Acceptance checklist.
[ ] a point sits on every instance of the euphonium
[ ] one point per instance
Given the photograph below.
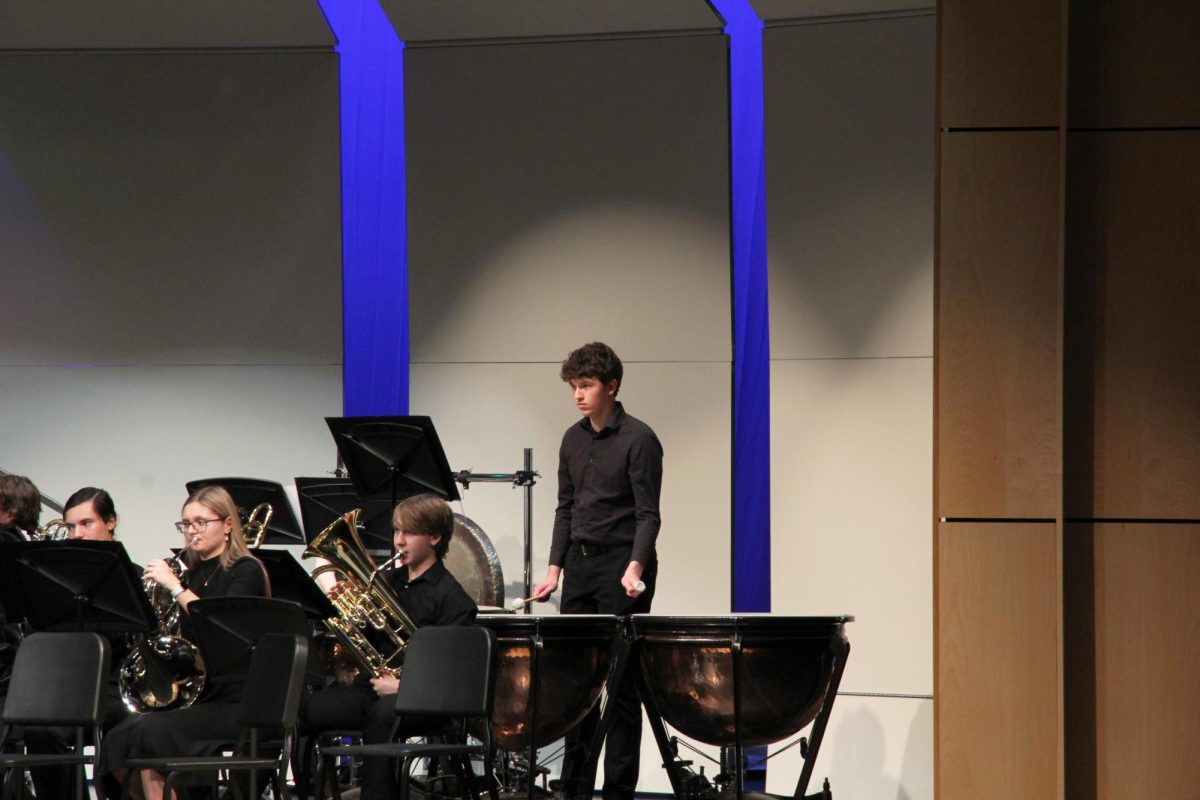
(362, 602)
(163, 671)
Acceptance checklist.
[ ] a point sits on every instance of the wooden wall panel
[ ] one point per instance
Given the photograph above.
(1000, 63)
(1132, 370)
(1141, 718)
(1135, 63)
(999, 323)
(998, 679)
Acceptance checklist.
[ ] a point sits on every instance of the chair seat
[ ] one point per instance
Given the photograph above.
(396, 749)
(35, 760)
(449, 674)
(190, 763)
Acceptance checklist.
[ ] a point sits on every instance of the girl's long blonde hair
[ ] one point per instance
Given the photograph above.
(216, 499)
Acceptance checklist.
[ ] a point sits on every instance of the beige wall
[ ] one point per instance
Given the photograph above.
(849, 134)
(172, 274)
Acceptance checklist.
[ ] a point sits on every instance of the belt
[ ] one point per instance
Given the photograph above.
(589, 550)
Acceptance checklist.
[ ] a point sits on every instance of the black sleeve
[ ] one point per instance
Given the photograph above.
(560, 540)
(458, 609)
(645, 476)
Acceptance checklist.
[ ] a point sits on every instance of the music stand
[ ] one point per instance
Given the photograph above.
(290, 581)
(323, 500)
(75, 585)
(393, 457)
(227, 628)
(250, 492)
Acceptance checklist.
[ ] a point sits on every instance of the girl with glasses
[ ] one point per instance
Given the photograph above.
(218, 565)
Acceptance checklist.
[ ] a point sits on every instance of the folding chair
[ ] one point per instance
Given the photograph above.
(270, 704)
(449, 672)
(58, 680)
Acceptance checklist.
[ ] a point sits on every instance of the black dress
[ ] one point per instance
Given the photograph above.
(210, 721)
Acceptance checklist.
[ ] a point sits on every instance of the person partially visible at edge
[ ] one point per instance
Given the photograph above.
(20, 508)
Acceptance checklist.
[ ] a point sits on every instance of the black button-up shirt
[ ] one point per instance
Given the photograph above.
(433, 598)
(609, 483)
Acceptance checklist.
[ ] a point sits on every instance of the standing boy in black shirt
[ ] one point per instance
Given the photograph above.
(605, 527)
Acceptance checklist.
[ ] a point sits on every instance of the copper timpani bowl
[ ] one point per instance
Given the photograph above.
(783, 671)
(573, 662)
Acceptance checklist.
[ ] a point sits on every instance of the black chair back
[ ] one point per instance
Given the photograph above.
(271, 698)
(58, 679)
(448, 672)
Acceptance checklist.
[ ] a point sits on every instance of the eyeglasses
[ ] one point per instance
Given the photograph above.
(184, 525)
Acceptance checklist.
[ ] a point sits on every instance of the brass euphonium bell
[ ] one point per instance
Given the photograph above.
(362, 602)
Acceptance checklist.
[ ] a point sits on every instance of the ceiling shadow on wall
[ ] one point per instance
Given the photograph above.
(570, 178)
(850, 155)
(172, 208)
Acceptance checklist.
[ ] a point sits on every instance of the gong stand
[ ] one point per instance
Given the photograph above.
(679, 775)
(525, 479)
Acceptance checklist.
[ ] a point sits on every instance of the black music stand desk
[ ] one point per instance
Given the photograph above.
(75, 585)
(290, 581)
(227, 628)
(324, 500)
(250, 492)
(393, 457)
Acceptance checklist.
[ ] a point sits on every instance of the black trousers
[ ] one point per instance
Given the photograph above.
(592, 585)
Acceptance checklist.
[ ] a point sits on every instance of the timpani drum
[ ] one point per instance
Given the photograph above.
(569, 655)
(750, 679)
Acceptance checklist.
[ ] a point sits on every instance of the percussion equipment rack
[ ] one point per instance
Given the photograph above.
(525, 479)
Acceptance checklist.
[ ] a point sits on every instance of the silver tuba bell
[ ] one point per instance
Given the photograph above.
(53, 531)
(163, 671)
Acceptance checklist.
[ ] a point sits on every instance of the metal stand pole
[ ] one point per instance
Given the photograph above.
(528, 526)
(525, 478)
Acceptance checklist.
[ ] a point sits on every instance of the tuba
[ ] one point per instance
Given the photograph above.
(254, 526)
(53, 531)
(363, 603)
(163, 671)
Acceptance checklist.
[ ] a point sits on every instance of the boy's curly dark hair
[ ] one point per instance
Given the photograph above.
(594, 360)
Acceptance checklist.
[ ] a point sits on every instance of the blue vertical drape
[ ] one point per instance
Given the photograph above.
(751, 578)
(374, 236)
